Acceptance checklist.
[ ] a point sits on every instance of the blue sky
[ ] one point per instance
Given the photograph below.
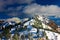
(48, 2)
(15, 8)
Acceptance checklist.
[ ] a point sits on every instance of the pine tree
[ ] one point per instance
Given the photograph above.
(15, 37)
(6, 33)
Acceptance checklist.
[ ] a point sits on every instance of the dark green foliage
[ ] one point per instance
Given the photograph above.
(15, 37)
(6, 33)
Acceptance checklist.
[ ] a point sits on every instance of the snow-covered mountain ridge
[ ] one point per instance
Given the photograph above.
(39, 27)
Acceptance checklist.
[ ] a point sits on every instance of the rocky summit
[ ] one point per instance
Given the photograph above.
(36, 28)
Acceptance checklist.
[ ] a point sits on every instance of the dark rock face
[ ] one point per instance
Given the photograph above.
(1, 21)
(52, 24)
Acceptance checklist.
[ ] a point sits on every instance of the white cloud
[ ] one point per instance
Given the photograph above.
(11, 2)
(14, 11)
(42, 10)
(13, 14)
(25, 1)
(2, 4)
(18, 1)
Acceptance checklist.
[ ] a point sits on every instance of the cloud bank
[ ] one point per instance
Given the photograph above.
(48, 10)
(4, 3)
(14, 11)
